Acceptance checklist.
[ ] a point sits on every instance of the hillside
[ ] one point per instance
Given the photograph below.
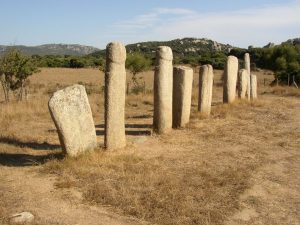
(180, 47)
(52, 49)
(185, 46)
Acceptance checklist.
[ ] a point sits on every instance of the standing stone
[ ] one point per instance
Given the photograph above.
(247, 67)
(206, 78)
(115, 88)
(242, 83)
(163, 89)
(230, 79)
(253, 86)
(72, 115)
(182, 95)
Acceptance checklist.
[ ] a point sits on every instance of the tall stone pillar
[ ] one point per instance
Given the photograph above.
(242, 83)
(206, 77)
(182, 95)
(230, 79)
(247, 67)
(115, 86)
(253, 87)
(163, 90)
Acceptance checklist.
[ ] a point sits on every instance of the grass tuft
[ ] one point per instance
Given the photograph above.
(286, 91)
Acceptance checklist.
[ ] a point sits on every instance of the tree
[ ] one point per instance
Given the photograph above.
(137, 63)
(280, 64)
(15, 68)
(76, 63)
(102, 64)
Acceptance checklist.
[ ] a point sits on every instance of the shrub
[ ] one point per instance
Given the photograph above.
(15, 68)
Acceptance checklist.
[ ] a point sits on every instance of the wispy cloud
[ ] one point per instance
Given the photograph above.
(152, 18)
(174, 11)
(244, 27)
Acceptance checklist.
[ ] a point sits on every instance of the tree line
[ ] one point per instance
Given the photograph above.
(283, 59)
(15, 67)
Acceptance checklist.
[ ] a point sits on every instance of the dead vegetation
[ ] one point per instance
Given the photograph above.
(286, 91)
(195, 175)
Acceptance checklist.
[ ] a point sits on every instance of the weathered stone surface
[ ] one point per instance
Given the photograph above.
(22, 218)
(206, 79)
(230, 79)
(72, 115)
(115, 89)
(242, 83)
(182, 95)
(247, 67)
(163, 90)
(253, 86)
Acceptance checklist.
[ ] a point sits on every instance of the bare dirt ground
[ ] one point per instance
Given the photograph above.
(240, 166)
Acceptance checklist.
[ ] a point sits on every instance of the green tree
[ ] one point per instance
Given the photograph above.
(15, 68)
(102, 64)
(137, 63)
(293, 66)
(280, 64)
(76, 63)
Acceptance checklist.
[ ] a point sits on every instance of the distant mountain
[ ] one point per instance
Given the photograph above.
(183, 46)
(52, 49)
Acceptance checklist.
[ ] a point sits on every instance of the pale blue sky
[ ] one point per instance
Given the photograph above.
(91, 22)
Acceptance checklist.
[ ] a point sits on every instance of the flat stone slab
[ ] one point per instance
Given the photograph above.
(22, 218)
(72, 115)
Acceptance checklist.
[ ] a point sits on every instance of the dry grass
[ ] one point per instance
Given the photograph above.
(65, 76)
(194, 175)
(286, 91)
(3, 207)
(154, 190)
(187, 180)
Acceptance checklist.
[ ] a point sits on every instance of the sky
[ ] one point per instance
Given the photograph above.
(97, 22)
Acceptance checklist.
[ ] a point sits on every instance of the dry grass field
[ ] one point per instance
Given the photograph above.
(240, 166)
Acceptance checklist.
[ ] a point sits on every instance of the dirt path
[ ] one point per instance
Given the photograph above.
(35, 192)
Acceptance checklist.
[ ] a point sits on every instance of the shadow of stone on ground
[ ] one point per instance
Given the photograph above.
(101, 132)
(33, 145)
(129, 126)
(138, 132)
(23, 160)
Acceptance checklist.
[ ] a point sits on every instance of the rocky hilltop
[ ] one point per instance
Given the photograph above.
(184, 46)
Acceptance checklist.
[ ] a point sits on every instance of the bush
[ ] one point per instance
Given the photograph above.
(138, 89)
(15, 68)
